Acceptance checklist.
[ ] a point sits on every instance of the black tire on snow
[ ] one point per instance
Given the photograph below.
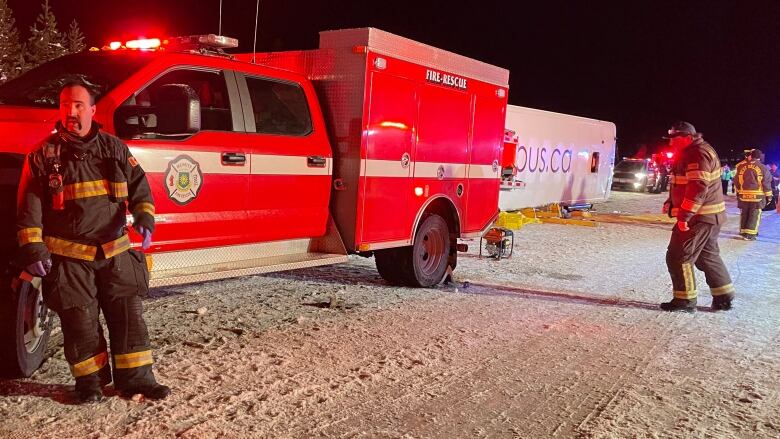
(26, 327)
(422, 264)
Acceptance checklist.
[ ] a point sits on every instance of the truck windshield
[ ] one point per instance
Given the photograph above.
(40, 86)
(630, 166)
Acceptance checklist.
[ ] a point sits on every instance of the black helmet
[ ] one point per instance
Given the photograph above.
(681, 128)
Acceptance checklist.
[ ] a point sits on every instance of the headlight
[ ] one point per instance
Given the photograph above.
(640, 175)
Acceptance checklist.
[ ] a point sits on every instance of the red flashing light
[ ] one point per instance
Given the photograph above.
(114, 45)
(144, 44)
(669, 155)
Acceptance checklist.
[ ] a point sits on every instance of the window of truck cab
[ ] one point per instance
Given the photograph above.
(210, 86)
(40, 87)
(278, 107)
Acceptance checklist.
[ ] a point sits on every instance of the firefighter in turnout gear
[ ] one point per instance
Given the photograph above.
(74, 195)
(754, 191)
(696, 200)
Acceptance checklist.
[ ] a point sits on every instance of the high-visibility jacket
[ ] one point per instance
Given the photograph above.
(101, 181)
(753, 183)
(696, 194)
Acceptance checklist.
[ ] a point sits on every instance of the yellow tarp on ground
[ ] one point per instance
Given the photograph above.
(647, 218)
(552, 214)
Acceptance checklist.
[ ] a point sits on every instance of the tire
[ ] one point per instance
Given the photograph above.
(422, 264)
(387, 265)
(26, 327)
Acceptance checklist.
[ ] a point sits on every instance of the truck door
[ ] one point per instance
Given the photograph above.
(389, 158)
(291, 161)
(483, 181)
(199, 181)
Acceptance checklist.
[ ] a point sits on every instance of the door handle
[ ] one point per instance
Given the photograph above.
(315, 161)
(233, 158)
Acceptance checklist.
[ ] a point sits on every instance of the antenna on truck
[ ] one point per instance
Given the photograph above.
(220, 18)
(254, 44)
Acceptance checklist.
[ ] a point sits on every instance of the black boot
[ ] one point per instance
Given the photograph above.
(89, 393)
(149, 391)
(722, 303)
(680, 305)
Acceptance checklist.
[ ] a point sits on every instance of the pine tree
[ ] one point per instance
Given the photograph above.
(10, 49)
(45, 42)
(75, 38)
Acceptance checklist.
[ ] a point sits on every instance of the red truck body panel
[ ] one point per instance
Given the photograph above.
(409, 124)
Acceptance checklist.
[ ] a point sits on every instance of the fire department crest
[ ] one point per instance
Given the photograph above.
(183, 179)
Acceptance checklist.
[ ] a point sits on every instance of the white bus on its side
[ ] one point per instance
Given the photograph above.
(560, 158)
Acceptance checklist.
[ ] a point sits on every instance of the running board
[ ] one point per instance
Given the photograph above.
(201, 273)
(199, 265)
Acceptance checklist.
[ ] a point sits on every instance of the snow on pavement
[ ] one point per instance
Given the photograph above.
(562, 340)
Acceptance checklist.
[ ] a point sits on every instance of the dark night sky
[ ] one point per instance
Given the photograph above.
(640, 64)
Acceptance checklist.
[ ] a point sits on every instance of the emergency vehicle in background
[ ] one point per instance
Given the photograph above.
(555, 158)
(644, 174)
(371, 144)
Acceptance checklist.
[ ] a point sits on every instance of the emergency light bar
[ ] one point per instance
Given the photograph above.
(192, 42)
(211, 41)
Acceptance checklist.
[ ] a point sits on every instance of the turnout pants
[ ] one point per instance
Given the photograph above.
(749, 220)
(697, 247)
(77, 291)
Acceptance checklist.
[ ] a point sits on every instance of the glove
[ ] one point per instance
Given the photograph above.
(39, 268)
(147, 236)
(683, 226)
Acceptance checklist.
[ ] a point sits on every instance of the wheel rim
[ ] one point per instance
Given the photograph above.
(431, 251)
(35, 321)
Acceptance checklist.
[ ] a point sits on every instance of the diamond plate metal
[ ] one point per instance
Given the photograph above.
(396, 46)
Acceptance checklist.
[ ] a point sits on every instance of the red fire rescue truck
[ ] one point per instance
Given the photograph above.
(371, 144)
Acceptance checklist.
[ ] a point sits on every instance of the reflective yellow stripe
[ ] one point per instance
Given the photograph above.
(690, 283)
(690, 205)
(136, 359)
(28, 235)
(703, 175)
(86, 189)
(119, 190)
(675, 211)
(712, 208)
(90, 365)
(768, 194)
(725, 289)
(750, 192)
(70, 249)
(685, 294)
(679, 180)
(692, 166)
(144, 207)
(95, 188)
(115, 247)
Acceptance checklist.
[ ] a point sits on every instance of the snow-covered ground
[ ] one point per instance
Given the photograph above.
(562, 340)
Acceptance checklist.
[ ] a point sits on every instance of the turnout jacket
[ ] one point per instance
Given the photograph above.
(101, 181)
(753, 183)
(697, 194)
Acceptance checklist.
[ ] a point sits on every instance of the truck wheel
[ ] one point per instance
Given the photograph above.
(388, 264)
(423, 264)
(26, 328)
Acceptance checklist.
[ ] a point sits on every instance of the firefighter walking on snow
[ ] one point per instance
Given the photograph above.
(696, 200)
(754, 191)
(74, 194)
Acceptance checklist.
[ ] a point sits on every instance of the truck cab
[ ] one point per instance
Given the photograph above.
(372, 144)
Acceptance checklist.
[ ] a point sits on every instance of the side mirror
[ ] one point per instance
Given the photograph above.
(174, 110)
(178, 109)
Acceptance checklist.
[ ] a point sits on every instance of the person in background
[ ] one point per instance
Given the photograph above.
(775, 183)
(725, 177)
(754, 191)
